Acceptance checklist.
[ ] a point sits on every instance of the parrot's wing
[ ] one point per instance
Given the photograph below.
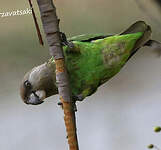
(88, 37)
(139, 26)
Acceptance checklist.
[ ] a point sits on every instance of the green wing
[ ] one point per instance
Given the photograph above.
(139, 26)
(88, 37)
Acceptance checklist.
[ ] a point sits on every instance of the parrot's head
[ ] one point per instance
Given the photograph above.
(38, 84)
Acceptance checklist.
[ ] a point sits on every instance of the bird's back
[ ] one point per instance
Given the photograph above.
(95, 62)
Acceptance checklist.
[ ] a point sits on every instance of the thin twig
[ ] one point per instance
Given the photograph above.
(36, 24)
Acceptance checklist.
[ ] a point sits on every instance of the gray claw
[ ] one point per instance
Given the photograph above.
(77, 97)
(65, 41)
(70, 45)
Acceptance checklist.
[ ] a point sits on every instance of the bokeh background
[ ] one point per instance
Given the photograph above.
(120, 115)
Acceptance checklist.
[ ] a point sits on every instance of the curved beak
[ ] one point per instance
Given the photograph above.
(36, 98)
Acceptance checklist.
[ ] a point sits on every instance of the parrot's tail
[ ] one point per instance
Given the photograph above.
(139, 26)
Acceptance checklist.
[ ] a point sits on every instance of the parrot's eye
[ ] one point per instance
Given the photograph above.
(27, 84)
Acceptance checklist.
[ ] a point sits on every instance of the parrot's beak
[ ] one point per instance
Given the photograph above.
(36, 98)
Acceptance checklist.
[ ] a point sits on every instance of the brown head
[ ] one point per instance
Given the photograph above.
(38, 84)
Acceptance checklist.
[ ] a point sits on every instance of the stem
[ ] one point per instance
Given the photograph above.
(51, 27)
(36, 24)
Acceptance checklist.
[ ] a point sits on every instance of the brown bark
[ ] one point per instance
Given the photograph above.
(51, 27)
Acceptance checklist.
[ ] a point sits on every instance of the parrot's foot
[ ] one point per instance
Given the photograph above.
(78, 97)
(65, 41)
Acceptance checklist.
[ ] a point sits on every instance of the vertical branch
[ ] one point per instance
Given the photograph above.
(51, 27)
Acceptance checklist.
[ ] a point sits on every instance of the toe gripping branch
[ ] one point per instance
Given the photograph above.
(64, 40)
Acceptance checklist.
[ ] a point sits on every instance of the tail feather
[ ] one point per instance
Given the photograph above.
(139, 26)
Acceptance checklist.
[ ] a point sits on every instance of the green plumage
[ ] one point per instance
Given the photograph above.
(92, 61)
(95, 59)
(90, 64)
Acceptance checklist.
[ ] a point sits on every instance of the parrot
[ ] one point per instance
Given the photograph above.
(91, 61)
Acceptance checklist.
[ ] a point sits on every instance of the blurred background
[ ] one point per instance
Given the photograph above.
(120, 115)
